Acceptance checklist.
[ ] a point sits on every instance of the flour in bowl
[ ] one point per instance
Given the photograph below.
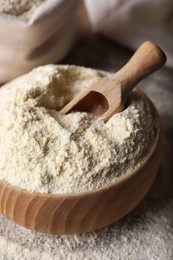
(43, 151)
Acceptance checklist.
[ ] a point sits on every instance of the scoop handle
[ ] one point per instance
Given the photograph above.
(147, 59)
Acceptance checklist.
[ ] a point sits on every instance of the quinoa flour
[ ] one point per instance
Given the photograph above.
(22, 8)
(43, 151)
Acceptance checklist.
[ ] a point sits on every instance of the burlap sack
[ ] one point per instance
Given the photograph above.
(45, 38)
(131, 22)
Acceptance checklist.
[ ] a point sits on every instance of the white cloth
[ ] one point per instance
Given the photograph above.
(45, 38)
(130, 22)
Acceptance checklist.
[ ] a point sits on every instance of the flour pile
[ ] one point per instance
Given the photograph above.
(22, 8)
(43, 151)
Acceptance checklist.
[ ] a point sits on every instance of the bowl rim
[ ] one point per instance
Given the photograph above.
(107, 186)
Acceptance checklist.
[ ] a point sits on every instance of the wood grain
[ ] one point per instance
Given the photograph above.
(81, 212)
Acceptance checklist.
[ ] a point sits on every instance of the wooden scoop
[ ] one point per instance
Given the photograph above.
(108, 95)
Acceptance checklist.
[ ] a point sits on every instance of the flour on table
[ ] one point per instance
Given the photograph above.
(43, 151)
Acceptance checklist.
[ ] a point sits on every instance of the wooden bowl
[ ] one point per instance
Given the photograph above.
(81, 212)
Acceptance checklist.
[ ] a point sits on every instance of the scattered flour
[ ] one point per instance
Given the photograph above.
(22, 8)
(43, 151)
(146, 233)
